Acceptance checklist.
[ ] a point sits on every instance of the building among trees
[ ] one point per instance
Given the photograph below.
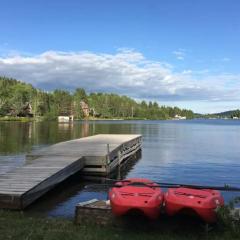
(85, 108)
(65, 119)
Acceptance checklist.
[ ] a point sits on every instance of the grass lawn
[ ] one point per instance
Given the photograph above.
(15, 225)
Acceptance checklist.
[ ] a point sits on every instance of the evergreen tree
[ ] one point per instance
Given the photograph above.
(14, 95)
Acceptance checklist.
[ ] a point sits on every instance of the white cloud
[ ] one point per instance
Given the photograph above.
(226, 59)
(188, 71)
(180, 54)
(221, 60)
(125, 72)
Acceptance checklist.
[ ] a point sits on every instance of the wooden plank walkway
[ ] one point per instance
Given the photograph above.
(47, 167)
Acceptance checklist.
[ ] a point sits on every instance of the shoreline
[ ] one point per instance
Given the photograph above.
(43, 119)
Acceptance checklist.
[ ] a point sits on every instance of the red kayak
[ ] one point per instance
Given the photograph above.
(203, 202)
(136, 194)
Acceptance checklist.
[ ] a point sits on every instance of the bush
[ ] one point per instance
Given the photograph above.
(229, 217)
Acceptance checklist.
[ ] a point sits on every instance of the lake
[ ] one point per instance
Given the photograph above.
(185, 151)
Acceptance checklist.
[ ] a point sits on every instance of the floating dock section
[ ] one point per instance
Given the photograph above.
(96, 155)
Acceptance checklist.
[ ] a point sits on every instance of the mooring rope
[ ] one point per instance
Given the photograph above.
(170, 185)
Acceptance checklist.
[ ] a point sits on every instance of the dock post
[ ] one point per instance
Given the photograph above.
(119, 165)
(119, 158)
(108, 148)
(108, 151)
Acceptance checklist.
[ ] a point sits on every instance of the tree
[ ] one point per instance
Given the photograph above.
(14, 95)
(61, 103)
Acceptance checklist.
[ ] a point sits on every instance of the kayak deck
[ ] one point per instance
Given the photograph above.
(136, 194)
(203, 202)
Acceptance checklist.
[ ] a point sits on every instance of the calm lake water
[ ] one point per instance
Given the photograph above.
(193, 152)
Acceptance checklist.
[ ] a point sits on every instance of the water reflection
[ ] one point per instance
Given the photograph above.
(62, 200)
(194, 152)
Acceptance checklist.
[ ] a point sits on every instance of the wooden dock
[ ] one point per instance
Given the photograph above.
(47, 167)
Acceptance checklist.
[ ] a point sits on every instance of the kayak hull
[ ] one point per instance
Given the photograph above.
(149, 212)
(127, 197)
(203, 202)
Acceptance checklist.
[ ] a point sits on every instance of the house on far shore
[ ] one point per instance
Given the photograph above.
(179, 117)
(85, 108)
(235, 118)
(65, 119)
(25, 111)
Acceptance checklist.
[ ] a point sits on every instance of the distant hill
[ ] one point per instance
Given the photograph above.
(226, 114)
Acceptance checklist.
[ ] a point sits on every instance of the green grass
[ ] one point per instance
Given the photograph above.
(15, 225)
(20, 119)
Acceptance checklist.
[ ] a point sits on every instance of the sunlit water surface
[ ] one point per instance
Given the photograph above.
(205, 152)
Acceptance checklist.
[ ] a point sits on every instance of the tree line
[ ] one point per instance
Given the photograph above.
(17, 97)
(227, 114)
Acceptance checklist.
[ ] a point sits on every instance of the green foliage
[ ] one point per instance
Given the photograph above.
(236, 114)
(229, 217)
(15, 225)
(112, 105)
(227, 114)
(18, 119)
(81, 95)
(14, 95)
(78, 96)
(61, 102)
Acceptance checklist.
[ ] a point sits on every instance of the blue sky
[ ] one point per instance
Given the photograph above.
(183, 53)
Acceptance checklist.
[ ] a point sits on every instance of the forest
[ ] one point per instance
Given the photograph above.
(19, 99)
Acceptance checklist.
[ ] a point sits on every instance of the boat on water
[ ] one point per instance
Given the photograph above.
(136, 194)
(203, 202)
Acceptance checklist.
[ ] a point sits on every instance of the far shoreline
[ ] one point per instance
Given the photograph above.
(42, 119)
